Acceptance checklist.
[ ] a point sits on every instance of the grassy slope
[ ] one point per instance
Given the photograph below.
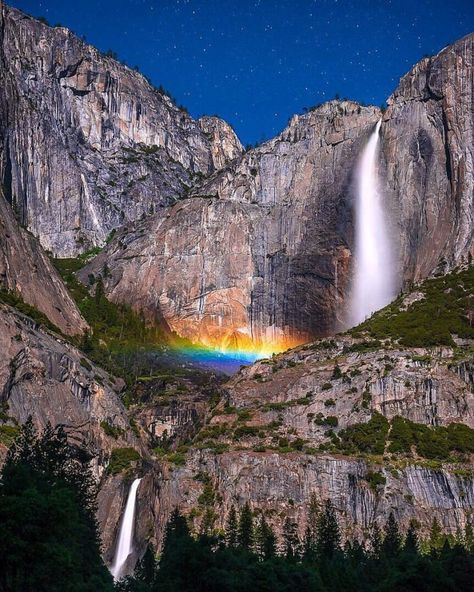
(447, 309)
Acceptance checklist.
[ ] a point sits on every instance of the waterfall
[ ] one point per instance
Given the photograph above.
(124, 546)
(373, 284)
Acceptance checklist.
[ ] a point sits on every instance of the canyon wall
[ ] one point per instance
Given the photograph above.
(27, 271)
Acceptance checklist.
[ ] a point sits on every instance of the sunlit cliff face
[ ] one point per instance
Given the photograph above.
(224, 326)
(238, 341)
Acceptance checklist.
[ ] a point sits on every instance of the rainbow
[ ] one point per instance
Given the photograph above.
(222, 355)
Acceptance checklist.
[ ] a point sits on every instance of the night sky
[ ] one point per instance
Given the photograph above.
(255, 63)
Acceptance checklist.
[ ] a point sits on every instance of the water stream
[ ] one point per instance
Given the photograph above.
(373, 285)
(125, 541)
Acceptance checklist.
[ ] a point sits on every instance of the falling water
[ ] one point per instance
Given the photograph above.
(124, 547)
(374, 280)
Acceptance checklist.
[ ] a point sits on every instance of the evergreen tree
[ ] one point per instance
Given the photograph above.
(310, 537)
(375, 541)
(245, 530)
(49, 539)
(411, 539)
(436, 538)
(469, 536)
(177, 554)
(265, 540)
(291, 540)
(392, 539)
(207, 522)
(328, 534)
(144, 576)
(231, 531)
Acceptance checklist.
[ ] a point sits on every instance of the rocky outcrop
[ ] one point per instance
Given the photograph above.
(44, 376)
(26, 270)
(86, 143)
(225, 146)
(281, 485)
(259, 256)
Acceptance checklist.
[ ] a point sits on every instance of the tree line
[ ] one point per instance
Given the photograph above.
(50, 541)
(248, 556)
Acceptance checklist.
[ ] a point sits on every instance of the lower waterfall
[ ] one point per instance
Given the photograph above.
(124, 546)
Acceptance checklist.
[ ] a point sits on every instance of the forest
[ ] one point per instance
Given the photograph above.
(50, 541)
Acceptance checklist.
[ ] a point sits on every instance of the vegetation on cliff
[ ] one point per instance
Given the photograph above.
(117, 331)
(444, 308)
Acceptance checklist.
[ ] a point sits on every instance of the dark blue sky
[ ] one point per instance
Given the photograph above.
(255, 63)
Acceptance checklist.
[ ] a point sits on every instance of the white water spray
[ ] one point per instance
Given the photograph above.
(124, 547)
(373, 285)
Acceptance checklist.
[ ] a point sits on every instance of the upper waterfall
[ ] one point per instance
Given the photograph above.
(124, 546)
(373, 284)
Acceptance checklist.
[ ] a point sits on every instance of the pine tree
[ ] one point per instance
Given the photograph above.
(291, 540)
(411, 539)
(328, 534)
(375, 541)
(146, 567)
(265, 540)
(231, 530)
(436, 538)
(310, 537)
(469, 536)
(245, 530)
(392, 539)
(49, 538)
(207, 522)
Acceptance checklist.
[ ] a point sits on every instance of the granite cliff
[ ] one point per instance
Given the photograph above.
(259, 255)
(26, 271)
(86, 143)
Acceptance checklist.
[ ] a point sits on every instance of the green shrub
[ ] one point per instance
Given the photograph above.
(430, 442)
(208, 495)
(176, 458)
(121, 459)
(366, 399)
(375, 479)
(326, 386)
(432, 320)
(110, 430)
(16, 301)
(329, 403)
(8, 434)
(330, 420)
(244, 430)
(367, 437)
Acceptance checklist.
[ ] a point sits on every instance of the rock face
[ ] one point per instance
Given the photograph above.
(428, 149)
(257, 252)
(239, 455)
(281, 485)
(43, 376)
(26, 270)
(259, 255)
(86, 144)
